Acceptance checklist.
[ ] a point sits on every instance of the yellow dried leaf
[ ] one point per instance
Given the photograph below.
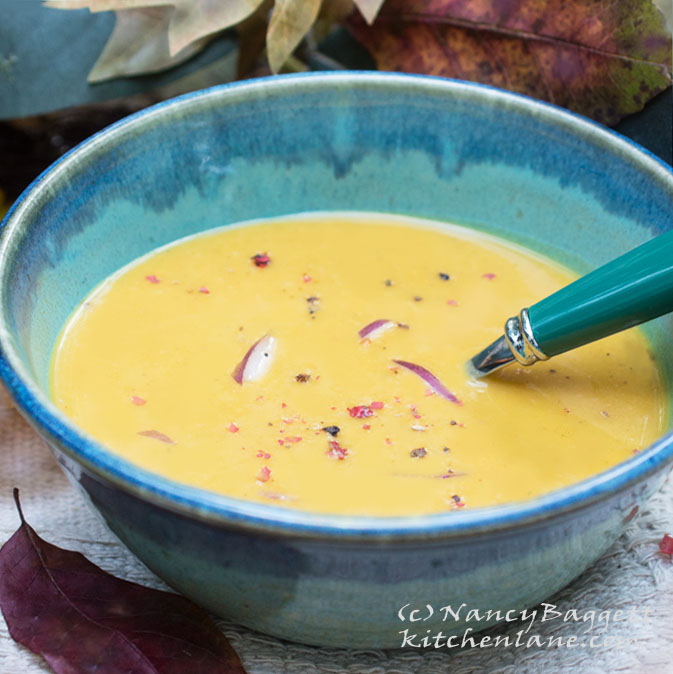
(666, 8)
(369, 9)
(332, 12)
(290, 21)
(190, 19)
(105, 5)
(194, 19)
(139, 44)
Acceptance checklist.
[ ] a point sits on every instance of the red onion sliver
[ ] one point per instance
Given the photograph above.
(257, 360)
(429, 379)
(380, 326)
(157, 435)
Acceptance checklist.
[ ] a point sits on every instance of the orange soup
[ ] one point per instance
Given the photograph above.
(318, 362)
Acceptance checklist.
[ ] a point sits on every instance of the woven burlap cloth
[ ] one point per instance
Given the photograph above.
(633, 576)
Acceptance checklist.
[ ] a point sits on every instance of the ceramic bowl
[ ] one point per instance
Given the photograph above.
(369, 142)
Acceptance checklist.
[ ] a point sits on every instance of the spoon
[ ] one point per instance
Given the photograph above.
(634, 288)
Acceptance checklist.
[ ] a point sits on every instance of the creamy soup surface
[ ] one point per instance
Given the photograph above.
(150, 364)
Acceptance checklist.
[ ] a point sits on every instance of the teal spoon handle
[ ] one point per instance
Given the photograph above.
(630, 290)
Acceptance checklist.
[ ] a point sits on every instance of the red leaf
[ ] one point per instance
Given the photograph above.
(84, 620)
(601, 58)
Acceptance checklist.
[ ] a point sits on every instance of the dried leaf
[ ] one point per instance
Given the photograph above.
(369, 9)
(194, 19)
(252, 40)
(332, 12)
(290, 21)
(81, 619)
(601, 58)
(189, 20)
(105, 5)
(139, 44)
(666, 8)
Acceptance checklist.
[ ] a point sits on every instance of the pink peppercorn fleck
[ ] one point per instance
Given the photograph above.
(360, 411)
(261, 260)
(336, 451)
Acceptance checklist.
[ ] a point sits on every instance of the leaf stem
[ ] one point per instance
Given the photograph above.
(17, 502)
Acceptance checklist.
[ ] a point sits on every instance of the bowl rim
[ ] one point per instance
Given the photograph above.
(217, 509)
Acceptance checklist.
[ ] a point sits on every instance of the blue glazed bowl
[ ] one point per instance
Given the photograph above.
(369, 142)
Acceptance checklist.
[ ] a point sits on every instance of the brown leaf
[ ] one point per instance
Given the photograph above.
(252, 40)
(601, 58)
(83, 620)
(369, 9)
(290, 21)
